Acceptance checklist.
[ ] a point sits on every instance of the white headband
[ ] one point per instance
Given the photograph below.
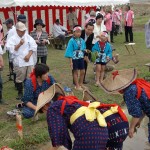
(77, 28)
(104, 34)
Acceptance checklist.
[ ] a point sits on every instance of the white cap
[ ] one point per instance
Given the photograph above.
(21, 26)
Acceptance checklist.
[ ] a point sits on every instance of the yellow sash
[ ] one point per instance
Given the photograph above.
(91, 113)
(111, 111)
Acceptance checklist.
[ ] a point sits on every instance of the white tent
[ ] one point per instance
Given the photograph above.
(84, 3)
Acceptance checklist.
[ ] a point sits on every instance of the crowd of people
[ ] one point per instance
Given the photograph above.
(95, 125)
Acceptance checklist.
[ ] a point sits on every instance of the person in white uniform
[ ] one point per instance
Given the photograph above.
(23, 49)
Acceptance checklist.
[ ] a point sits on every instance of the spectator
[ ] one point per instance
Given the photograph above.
(12, 32)
(128, 23)
(88, 14)
(38, 82)
(72, 18)
(59, 32)
(91, 19)
(75, 54)
(41, 37)
(87, 35)
(108, 21)
(23, 48)
(117, 21)
(98, 28)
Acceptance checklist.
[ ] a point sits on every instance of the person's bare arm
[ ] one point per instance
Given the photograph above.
(30, 105)
(27, 57)
(133, 124)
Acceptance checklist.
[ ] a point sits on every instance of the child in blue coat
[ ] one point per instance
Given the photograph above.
(104, 54)
(75, 52)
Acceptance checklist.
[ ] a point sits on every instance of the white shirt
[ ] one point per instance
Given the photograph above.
(19, 55)
(58, 30)
(97, 30)
(11, 32)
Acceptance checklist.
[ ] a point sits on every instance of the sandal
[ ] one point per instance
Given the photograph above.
(13, 112)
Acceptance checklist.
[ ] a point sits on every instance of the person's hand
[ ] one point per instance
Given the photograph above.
(44, 41)
(26, 58)
(131, 132)
(86, 59)
(21, 42)
(107, 58)
(97, 36)
(37, 41)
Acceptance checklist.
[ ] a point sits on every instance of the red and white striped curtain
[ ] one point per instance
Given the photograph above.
(48, 14)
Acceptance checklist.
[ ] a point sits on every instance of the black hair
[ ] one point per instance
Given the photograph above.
(99, 16)
(128, 7)
(97, 9)
(41, 69)
(89, 24)
(57, 21)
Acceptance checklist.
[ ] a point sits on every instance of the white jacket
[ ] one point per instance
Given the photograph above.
(18, 56)
(58, 30)
(97, 31)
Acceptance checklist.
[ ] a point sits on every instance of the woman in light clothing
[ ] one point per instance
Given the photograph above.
(98, 28)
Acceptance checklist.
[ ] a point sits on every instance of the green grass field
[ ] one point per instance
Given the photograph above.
(36, 133)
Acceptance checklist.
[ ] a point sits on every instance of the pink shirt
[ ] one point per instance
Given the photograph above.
(128, 18)
(108, 22)
(117, 18)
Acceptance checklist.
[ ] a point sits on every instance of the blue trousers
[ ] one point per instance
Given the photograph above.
(27, 112)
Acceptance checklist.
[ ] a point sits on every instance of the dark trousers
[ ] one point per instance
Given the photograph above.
(62, 38)
(112, 32)
(128, 30)
(43, 59)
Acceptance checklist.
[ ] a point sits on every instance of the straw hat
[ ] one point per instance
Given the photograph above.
(118, 80)
(87, 95)
(47, 96)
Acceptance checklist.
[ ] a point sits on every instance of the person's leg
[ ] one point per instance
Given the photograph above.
(126, 34)
(20, 77)
(28, 71)
(98, 69)
(75, 78)
(27, 112)
(102, 73)
(62, 38)
(131, 34)
(44, 59)
(82, 72)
